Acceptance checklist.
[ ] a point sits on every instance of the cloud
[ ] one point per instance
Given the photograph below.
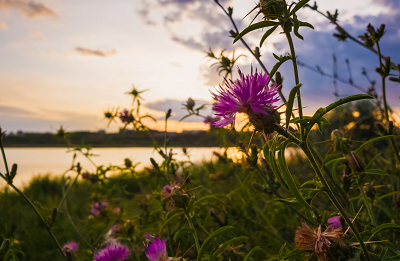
(14, 111)
(30, 9)
(86, 51)
(3, 26)
(178, 110)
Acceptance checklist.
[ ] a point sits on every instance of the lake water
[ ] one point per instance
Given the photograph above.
(54, 161)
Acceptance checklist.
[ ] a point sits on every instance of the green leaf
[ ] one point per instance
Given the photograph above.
(270, 158)
(383, 227)
(372, 161)
(306, 24)
(208, 240)
(291, 202)
(322, 111)
(225, 245)
(376, 172)
(368, 142)
(169, 221)
(298, 6)
(296, 252)
(252, 251)
(296, 26)
(281, 252)
(382, 256)
(289, 104)
(174, 212)
(206, 198)
(267, 33)
(183, 231)
(289, 180)
(330, 157)
(253, 27)
(281, 60)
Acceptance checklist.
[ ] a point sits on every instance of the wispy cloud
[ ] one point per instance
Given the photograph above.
(3, 26)
(29, 9)
(94, 52)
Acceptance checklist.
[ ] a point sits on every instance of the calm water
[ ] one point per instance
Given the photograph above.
(54, 161)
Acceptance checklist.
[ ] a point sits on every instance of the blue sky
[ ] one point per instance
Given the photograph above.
(65, 62)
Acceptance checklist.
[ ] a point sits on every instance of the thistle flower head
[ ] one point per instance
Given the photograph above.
(251, 95)
(316, 240)
(157, 251)
(69, 249)
(113, 252)
(126, 116)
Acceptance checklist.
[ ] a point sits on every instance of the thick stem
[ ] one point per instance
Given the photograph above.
(332, 197)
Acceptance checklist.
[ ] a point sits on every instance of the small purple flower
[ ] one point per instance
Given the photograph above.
(335, 223)
(166, 190)
(69, 248)
(211, 120)
(249, 94)
(157, 251)
(126, 116)
(113, 252)
(98, 207)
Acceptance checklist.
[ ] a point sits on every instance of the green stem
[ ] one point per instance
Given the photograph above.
(366, 201)
(27, 200)
(196, 239)
(332, 197)
(40, 217)
(383, 83)
(68, 190)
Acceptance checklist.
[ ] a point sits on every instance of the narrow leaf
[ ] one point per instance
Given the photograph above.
(289, 104)
(253, 27)
(247, 257)
(225, 245)
(169, 221)
(267, 33)
(376, 172)
(208, 240)
(299, 5)
(368, 142)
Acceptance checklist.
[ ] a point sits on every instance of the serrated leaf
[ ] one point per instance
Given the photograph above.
(253, 27)
(289, 104)
(383, 227)
(267, 33)
(208, 240)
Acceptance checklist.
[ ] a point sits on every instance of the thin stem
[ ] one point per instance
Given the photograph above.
(383, 83)
(196, 239)
(332, 197)
(68, 190)
(28, 201)
(366, 201)
(38, 214)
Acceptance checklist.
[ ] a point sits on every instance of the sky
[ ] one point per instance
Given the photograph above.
(66, 62)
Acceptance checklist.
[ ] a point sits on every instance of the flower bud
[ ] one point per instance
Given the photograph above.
(128, 163)
(253, 158)
(154, 163)
(278, 79)
(190, 104)
(370, 29)
(261, 188)
(336, 137)
(257, 52)
(354, 162)
(265, 122)
(168, 114)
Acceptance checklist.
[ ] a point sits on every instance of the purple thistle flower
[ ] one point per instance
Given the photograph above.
(249, 94)
(69, 248)
(157, 251)
(98, 207)
(335, 223)
(166, 190)
(126, 116)
(113, 252)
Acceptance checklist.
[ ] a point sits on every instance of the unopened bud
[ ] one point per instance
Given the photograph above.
(128, 163)
(344, 146)
(370, 29)
(168, 114)
(336, 137)
(154, 163)
(190, 104)
(233, 34)
(265, 122)
(261, 188)
(230, 11)
(257, 52)
(354, 162)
